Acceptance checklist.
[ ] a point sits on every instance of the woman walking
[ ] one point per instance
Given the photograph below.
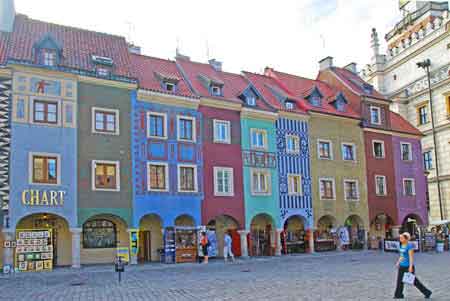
(204, 243)
(405, 264)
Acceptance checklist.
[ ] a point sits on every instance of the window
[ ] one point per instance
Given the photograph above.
(216, 90)
(315, 100)
(251, 100)
(324, 149)
(380, 185)
(258, 139)
(45, 112)
(422, 114)
(427, 160)
(378, 149)
(105, 121)
(292, 144)
(289, 105)
(169, 87)
(348, 152)
(158, 178)
(45, 169)
(156, 125)
(409, 188)
(260, 182)
(49, 57)
(375, 117)
(222, 131)
(223, 181)
(351, 190)
(340, 106)
(186, 128)
(187, 178)
(20, 108)
(98, 234)
(106, 175)
(103, 72)
(406, 151)
(294, 184)
(327, 189)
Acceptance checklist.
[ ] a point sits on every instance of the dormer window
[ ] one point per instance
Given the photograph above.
(340, 106)
(315, 100)
(47, 51)
(289, 105)
(49, 57)
(251, 100)
(169, 87)
(216, 90)
(103, 65)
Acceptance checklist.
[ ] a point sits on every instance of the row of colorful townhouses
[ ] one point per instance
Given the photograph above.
(112, 150)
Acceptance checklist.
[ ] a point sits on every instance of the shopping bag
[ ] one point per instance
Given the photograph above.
(408, 278)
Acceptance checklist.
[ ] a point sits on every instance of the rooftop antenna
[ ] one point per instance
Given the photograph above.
(131, 28)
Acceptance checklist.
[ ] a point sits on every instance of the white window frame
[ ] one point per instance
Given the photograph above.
(334, 189)
(216, 138)
(166, 84)
(164, 115)
(430, 151)
(30, 168)
(49, 58)
(93, 165)
(413, 186)
(116, 114)
(383, 148)
(296, 144)
(194, 129)
(377, 191)
(216, 169)
(179, 166)
(378, 109)
(268, 176)
(357, 190)
(252, 102)
(290, 188)
(264, 132)
(353, 145)
(289, 105)
(45, 99)
(166, 166)
(318, 149)
(217, 88)
(410, 157)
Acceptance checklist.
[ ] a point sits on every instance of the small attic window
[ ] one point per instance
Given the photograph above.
(216, 90)
(289, 105)
(49, 57)
(340, 106)
(169, 87)
(251, 100)
(367, 88)
(315, 100)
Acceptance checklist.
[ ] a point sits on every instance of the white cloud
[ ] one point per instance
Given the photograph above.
(289, 35)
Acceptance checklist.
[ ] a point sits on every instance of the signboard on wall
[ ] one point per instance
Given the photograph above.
(394, 245)
(34, 250)
(123, 253)
(134, 242)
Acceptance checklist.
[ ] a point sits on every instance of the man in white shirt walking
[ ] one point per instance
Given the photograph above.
(227, 246)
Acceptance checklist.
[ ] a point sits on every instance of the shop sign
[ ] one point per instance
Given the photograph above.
(394, 245)
(134, 242)
(123, 253)
(35, 197)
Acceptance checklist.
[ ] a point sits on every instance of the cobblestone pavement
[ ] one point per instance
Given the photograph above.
(333, 276)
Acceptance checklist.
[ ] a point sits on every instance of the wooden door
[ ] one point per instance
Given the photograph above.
(145, 250)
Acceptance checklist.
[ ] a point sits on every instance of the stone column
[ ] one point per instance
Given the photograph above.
(133, 258)
(76, 245)
(278, 239)
(244, 247)
(8, 253)
(311, 241)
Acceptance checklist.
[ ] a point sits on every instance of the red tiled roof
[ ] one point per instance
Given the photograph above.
(400, 124)
(78, 45)
(233, 84)
(147, 69)
(355, 82)
(4, 39)
(300, 87)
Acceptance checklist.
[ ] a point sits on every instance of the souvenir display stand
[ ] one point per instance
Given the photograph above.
(325, 241)
(185, 244)
(34, 250)
(294, 242)
(168, 253)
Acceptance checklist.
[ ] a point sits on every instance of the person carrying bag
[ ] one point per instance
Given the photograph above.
(406, 269)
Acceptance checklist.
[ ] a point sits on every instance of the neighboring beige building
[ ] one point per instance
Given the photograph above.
(423, 33)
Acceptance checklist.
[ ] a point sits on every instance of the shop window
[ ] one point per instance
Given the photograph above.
(106, 175)
(105, 121)
(327, 191)
(294, 184)
(378, 149)
(292, 144)
(223, 181)
(44, 169)
(380, 185)
(187, 178)
(99, 234)
(258, 139)
(260, 182)
(348, 152)
(427, 160)
(156, 125)
(186, 128)
(409, 188)
(375, 115)
(45, 112)
(222, 131)
(351, 190)
(158, 179)
(406, 151)
(422, 114)
(324, 149)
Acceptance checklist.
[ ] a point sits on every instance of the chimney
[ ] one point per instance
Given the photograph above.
(351, 67)
(134, 49)
(325, 63)
(217, 65)
(7, 15)
(268, 71)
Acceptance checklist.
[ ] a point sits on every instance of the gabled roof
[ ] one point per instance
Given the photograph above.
(300, 87)
(4, 40)
(150, 71)
(232, 84)
(400, 124)
(78, 45)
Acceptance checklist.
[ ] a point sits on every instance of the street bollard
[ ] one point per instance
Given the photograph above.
(120, 267)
